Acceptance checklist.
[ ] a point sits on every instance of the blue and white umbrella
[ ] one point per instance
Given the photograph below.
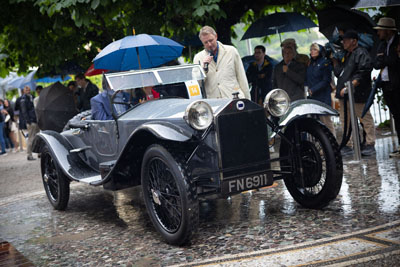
(137, 52)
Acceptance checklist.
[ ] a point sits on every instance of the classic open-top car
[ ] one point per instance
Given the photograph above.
(184, 147)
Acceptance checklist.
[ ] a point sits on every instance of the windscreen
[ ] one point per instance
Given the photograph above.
(152, 77)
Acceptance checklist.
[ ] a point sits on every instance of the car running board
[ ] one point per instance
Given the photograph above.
(91, 179)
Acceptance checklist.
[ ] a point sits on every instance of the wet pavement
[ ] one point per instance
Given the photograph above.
(258, 228)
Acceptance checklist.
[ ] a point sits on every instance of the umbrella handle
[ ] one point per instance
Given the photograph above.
(138, 58)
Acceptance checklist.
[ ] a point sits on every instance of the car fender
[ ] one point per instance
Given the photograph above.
(166, 131)
(70, 163)
(305, 107)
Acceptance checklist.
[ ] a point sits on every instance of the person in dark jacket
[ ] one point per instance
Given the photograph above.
(355, 67)
(388, 61)
(27, 113)
(259, 75)
(86, 91)
(318, 80)
(289, 75)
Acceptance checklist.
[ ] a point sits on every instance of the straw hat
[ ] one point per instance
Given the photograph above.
(386, 24)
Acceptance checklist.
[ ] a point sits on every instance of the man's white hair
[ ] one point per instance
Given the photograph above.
(207, 30)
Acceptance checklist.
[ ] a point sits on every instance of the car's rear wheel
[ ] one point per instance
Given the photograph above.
(169, 195)
(320, 160)
(55, 183)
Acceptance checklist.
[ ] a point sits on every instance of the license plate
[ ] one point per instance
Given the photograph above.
(236, 185)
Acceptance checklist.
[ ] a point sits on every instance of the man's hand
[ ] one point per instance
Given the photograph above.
(285, 68)
(208, 59)
(343, 91)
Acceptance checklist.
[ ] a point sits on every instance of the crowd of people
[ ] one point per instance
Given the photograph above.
(20, 119)
(301, 76)
(311, 77)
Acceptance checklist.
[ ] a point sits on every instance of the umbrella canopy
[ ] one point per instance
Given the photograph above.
(21, 81)
(345, 18)
(91, 71)
(53, 79)
(277, 23)
(137, 52)
(376, 3)
(55, 107)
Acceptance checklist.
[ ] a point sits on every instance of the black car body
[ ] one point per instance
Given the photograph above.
(183, 147)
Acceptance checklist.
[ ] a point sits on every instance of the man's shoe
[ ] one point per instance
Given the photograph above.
(368, 150)
(346, 151)
(395, 154)
(31, 158)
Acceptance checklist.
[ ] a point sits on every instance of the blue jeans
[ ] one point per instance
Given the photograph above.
(2, 142)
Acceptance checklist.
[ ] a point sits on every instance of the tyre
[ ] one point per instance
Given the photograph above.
(169, 195)
(321, 161)
(55, 182)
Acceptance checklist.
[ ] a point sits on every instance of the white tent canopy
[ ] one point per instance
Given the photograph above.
(13, 81)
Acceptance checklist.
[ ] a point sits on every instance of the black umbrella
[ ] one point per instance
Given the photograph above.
(277, 23)
(376, 3)
(55, 107)
(344, 18)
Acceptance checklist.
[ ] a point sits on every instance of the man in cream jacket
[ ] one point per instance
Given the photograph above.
(223, 66)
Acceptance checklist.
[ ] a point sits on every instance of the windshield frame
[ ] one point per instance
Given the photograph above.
(151, 77)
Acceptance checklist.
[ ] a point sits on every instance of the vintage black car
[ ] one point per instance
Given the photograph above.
(183, 147)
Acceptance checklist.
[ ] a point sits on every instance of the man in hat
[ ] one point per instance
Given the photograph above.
(388, 61)
(356, 67)
(301, 58)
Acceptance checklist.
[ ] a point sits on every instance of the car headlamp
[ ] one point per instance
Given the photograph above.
(277, 102)
(199, 115)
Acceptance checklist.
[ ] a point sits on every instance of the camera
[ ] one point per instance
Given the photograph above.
(334, 48)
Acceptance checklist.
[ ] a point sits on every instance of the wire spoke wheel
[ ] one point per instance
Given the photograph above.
(319, 179)
(166, 200)
(169, 195)
(50, 178)
(55, 183)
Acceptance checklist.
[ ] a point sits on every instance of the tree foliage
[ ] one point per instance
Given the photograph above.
(48, 33)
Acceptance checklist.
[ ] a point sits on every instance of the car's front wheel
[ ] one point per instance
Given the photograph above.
(55, 183)
(170, 196)
(314, 161)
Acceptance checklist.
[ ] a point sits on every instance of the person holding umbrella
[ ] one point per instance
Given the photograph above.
(223, 66)
(388, 61)
(289, 74)
(101, 103)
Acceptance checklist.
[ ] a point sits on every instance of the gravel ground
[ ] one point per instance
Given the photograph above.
(16, 180)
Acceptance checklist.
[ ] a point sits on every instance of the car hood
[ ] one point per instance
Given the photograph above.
(169, 108)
